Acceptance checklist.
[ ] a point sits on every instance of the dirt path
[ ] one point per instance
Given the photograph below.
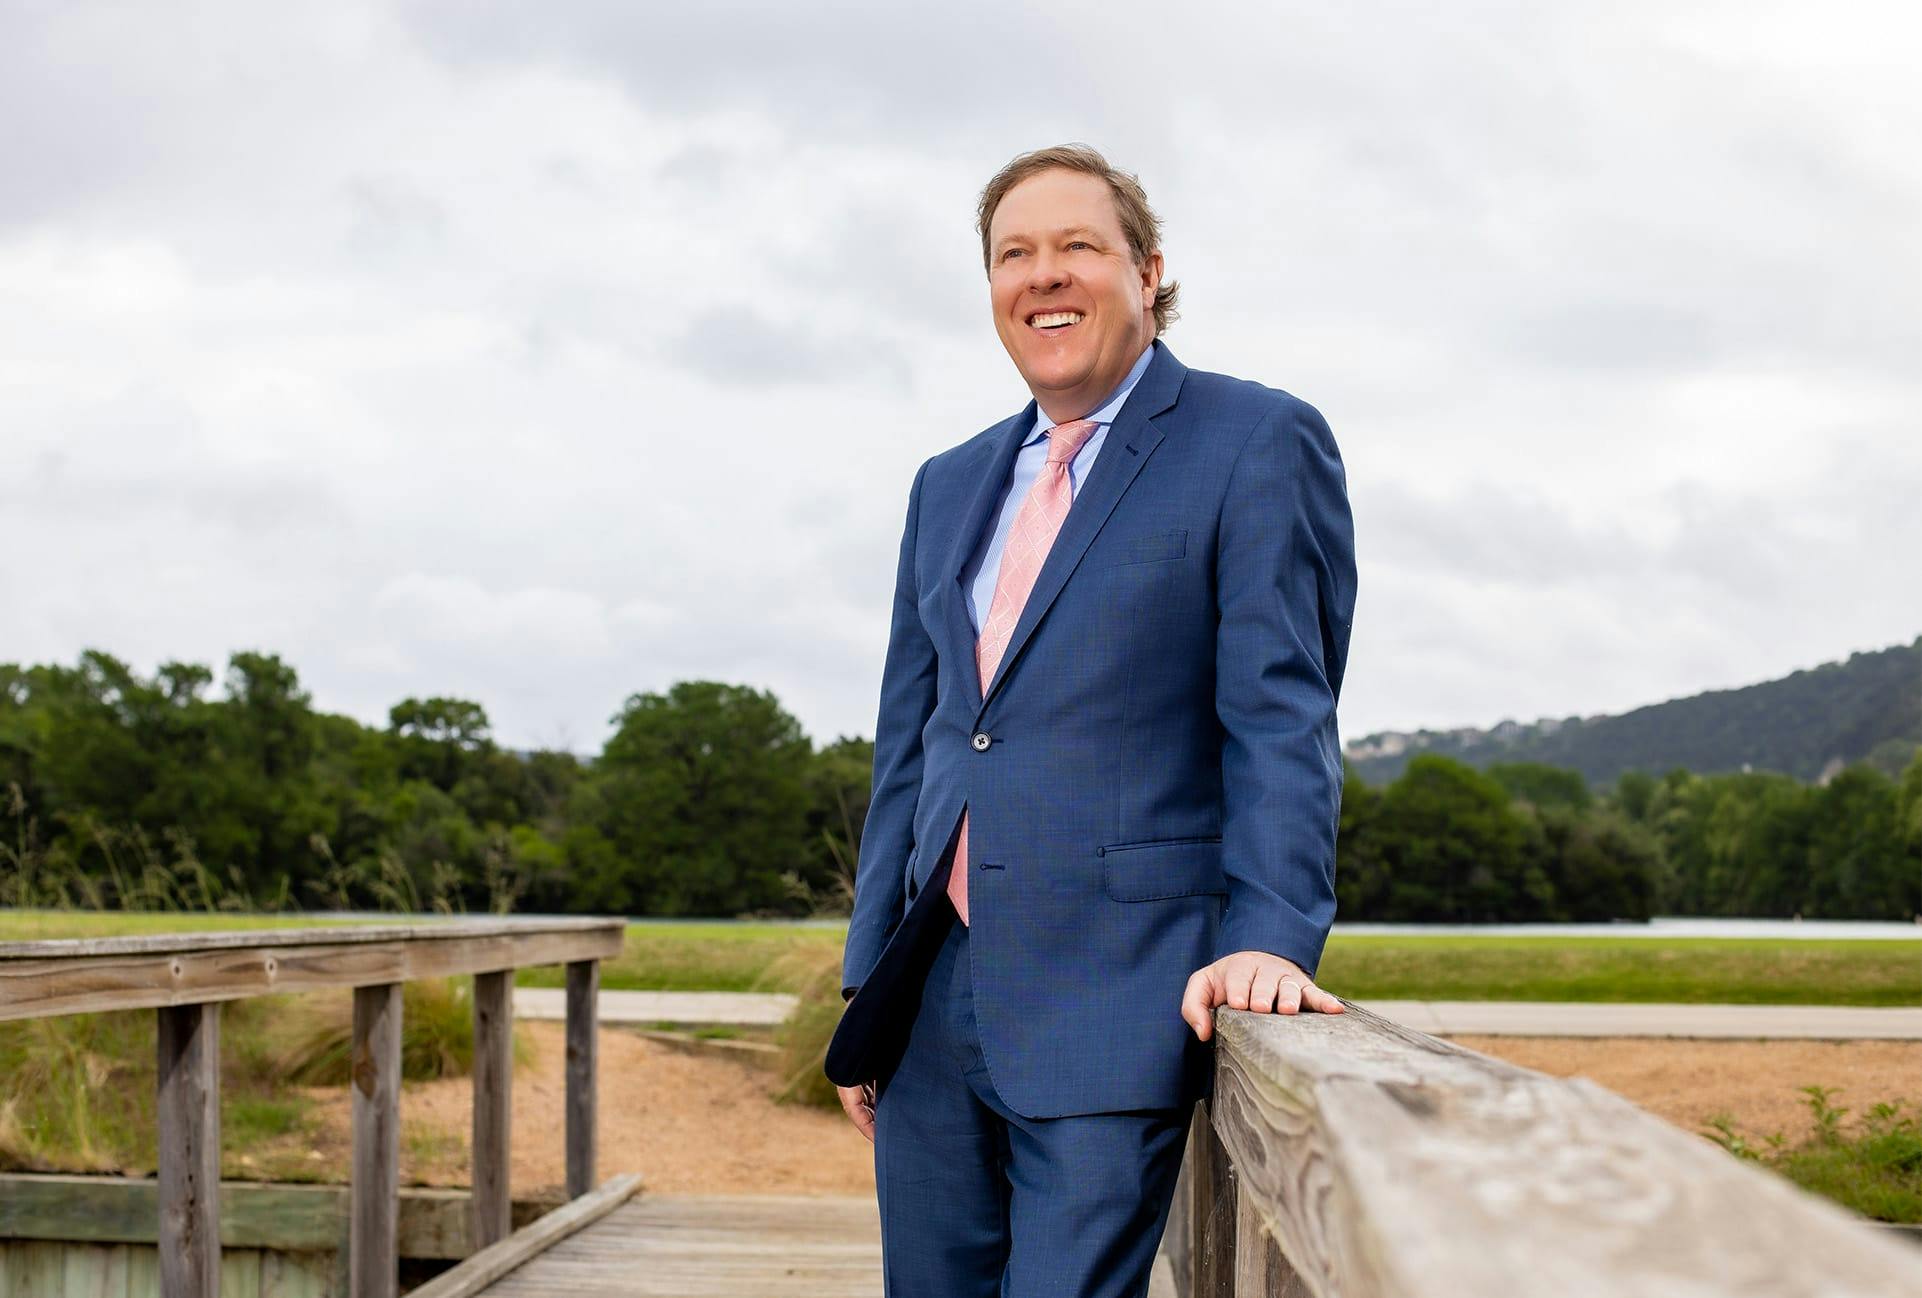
(698, 1124)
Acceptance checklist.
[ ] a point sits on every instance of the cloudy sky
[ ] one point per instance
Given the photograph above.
(546, 354)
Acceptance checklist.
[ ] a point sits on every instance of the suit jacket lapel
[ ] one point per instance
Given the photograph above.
(990, 468)
(1130, 440)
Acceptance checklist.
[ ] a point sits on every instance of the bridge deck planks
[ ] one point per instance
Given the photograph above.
(713, 1246)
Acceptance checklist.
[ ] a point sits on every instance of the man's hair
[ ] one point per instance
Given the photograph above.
(1138, 220)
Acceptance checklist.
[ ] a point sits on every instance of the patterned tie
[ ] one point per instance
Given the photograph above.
(1030, 537)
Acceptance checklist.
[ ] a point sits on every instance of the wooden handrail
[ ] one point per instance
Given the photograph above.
(1347, 1154)
(185, 976)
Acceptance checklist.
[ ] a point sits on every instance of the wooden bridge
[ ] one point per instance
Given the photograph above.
(1339, 1155)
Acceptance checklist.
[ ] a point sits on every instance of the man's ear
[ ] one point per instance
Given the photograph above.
(1150, 279)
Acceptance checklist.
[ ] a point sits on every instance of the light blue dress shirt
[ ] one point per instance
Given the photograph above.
(984, 569)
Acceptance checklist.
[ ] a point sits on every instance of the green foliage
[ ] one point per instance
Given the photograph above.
(77, 1091)
(815, 977)
(699, 806)
(1542, 786)
(132, 793)
(1453, 849)
(1874, 1169)
(314, 1045)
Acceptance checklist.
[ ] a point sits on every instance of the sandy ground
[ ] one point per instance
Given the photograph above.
(1757, 1084)
(688, 1123)
(697, 1124)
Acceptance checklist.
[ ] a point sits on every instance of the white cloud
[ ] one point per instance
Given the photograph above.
(548, 357)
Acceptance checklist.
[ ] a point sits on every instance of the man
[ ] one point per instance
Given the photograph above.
(1106, 771)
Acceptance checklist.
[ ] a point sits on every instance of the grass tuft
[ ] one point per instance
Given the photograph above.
(814, 976)
(1874, 1168)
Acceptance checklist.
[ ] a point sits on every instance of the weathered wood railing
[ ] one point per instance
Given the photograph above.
(1347, 1155)
(185, 977)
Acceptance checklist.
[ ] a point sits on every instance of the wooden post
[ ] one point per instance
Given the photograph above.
(1260, 1269)
(583, 992)
(1212, 1214)
(188, 1113)
(493, 1096)
(374, 1230)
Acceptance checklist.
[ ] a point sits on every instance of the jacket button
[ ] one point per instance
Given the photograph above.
(981, 741)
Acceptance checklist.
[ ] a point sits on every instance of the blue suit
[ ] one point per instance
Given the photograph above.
(1153, 775)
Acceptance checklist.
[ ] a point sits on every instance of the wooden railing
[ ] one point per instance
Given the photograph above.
(1348, 1155)
(185, 976)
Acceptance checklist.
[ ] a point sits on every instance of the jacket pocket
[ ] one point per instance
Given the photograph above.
(907, 879)
(1150, 548)
(1162, 867)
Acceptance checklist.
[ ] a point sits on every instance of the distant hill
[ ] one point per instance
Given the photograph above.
(1809, 724)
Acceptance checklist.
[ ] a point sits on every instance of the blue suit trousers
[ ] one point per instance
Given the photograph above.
(978, 1201)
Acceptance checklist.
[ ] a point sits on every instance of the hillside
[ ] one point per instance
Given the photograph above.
(1807, 724)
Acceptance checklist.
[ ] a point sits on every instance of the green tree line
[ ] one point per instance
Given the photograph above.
(128, 791)
(149, 793)
(1445, 842)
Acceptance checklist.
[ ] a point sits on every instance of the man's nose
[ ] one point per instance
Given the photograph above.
(1046, 274)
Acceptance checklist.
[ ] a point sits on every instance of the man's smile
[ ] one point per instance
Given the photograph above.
(1054, 322)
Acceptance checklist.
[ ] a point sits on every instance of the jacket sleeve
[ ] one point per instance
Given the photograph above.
(1285, 583)
(887, 836)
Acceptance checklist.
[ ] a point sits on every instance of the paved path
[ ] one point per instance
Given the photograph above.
(1552, 1019)
(755, 1009)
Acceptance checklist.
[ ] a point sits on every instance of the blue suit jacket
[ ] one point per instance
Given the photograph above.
(1153, 775)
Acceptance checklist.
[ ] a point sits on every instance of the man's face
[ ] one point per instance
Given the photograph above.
(1071, 306)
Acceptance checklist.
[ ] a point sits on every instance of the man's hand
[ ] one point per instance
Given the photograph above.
(1250, 980)
(859, 1103)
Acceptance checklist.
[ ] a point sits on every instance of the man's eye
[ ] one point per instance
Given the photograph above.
(1079, 244)
(1012, 252)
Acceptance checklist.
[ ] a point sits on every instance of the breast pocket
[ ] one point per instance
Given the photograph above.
(1152, 547)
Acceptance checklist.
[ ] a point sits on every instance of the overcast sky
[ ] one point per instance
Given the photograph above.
(546, 354)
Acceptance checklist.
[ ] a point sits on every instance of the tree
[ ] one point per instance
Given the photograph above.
(439, 738)
(1454, 848)
(1541, 786)
(1909, 823)
(1856, 866)
(840, 780)
(1361, 873)
(701, 796)
(1602, 865)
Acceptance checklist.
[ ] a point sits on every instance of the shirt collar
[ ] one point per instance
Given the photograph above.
(1105, 412)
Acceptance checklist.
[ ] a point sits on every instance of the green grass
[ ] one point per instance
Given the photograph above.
(1750, 971)
(707, 957)
(77, 1091)
(1874, 1168)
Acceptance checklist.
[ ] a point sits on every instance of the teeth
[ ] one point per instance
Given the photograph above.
(1055, 318)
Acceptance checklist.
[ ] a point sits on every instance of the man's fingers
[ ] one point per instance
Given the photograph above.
(1240, 979)
(1198, 1002)
(1289, 1000)
(1326, 1002)
(1261, 993)
(858, 1102)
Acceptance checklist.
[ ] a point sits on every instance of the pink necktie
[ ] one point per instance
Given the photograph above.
(1030, 537)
